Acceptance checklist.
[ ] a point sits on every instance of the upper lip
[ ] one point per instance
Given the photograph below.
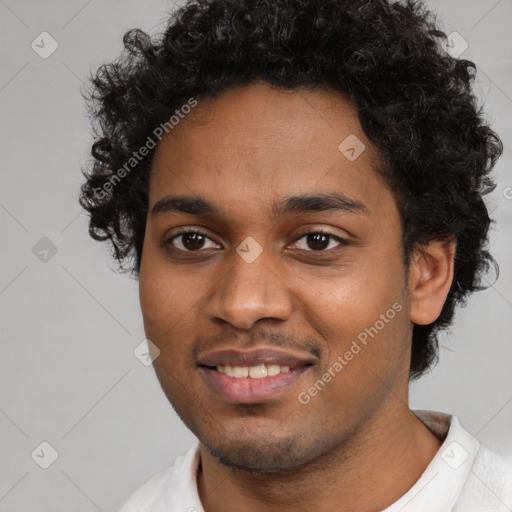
(255, 357)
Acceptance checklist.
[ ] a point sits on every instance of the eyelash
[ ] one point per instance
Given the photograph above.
(342, 241)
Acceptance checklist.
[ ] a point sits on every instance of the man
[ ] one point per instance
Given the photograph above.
(300, 185)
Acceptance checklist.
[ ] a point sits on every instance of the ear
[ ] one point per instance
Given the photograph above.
(430, 279)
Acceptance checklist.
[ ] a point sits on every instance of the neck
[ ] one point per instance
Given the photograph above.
(369, 472)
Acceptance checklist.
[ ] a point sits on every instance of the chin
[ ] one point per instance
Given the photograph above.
(259, 455)
(256, 459)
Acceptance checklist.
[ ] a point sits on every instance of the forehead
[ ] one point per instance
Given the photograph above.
(252, 144)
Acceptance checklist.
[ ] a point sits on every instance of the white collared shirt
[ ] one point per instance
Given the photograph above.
(462, 477)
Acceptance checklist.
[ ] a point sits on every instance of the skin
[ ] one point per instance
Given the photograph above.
(243, 151)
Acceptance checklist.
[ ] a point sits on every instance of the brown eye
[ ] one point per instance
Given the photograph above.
(320, 240)
(317, 241)
(189, 241)
(193, 241)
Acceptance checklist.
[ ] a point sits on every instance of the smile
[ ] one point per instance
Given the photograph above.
(260, 371)
(253, 376)
(251, 390)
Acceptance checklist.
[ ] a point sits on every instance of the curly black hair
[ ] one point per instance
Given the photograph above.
(415, 104)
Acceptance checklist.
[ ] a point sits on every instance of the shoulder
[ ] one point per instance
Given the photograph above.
(169, 487)
(489, 484)
(473, 477)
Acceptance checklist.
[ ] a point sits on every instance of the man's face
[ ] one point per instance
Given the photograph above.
(256, 286)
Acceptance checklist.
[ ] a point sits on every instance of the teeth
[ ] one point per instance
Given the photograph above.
(274, 369)
(240, 371)
(254, 372)
(258, 372)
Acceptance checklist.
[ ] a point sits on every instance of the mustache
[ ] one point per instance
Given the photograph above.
(250, 339)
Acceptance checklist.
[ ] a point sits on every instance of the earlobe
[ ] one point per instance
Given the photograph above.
(430, 279)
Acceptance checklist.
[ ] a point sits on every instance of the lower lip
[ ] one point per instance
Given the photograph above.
(250, 391)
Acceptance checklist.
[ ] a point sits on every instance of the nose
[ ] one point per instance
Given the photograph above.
(249, 292)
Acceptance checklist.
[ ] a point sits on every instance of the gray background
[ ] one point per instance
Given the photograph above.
(68, 375)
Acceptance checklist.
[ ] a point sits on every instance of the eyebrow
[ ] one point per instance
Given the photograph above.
(297, 204)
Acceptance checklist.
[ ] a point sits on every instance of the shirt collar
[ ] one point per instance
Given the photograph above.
(441, 483)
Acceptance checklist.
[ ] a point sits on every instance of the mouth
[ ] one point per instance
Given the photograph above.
(255, 376)
(261, 371)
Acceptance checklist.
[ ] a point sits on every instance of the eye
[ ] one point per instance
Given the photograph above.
(190, 240)
(193, 240)
(320, 240)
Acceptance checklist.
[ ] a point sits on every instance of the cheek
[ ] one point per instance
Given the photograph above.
(365, 353)
(164, 299)
(164, 309)
(354, 299)
(362, 315)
